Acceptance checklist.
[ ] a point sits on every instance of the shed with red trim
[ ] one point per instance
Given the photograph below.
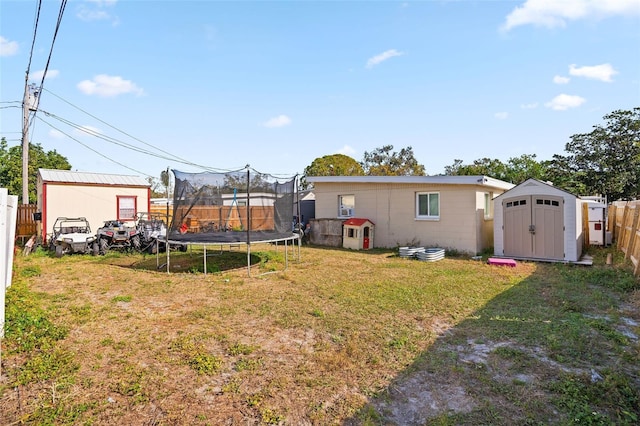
(97, 196)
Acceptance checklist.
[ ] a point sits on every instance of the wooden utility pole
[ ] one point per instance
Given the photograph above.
(25, 142)
(29, 103)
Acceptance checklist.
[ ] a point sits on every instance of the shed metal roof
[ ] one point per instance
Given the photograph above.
(68, 176)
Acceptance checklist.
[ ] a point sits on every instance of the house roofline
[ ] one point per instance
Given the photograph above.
(429, 180)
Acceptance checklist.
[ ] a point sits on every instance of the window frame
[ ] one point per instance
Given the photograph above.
(120, 208)
(342, 205)
(428, 216)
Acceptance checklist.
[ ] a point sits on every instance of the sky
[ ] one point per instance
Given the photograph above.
(135, 87)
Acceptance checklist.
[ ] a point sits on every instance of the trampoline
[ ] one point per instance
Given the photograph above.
(242, 207)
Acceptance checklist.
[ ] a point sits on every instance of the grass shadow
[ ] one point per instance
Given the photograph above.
(560, 347)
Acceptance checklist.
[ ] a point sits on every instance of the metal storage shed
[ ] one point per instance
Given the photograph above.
(96, 196)
(535, 220)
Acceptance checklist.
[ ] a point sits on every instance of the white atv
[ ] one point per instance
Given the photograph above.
(72, 235)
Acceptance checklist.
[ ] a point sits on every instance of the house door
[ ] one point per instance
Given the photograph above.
(533, 227)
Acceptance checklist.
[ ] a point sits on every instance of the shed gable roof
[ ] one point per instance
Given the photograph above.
(68, 176)
(535, 183)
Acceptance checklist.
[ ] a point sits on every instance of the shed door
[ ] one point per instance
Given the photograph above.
(549, 227)
(533, 227)
(517, 218)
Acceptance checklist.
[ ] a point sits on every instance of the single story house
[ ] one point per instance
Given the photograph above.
(535, 220)
(452, 212)
(96, 196)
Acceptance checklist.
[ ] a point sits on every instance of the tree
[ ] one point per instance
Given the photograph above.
(607, 160)
(11, 167)
(561, 174)
(519, 169)
(481, 167)
(156, 187)
(383, 162)
(516, 170)
(332, 165)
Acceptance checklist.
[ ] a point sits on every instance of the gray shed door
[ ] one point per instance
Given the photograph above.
(533, 227)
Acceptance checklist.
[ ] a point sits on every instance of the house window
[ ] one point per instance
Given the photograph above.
(351, 233)
(127, 207)
(427, 205)
(346, 205)
(488, 205)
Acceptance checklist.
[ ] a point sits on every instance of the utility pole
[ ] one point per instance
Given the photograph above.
(25, 142)
(29, 103)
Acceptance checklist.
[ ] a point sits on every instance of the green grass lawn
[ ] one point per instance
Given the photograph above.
(338, 337)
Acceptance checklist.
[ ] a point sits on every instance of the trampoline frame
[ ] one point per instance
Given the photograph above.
(295, 239)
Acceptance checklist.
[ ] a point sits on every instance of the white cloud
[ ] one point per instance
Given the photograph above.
(56, 134)
(501, 115)
(555, 13)
(563, 102)
(601, 72)
(532, 105)
(108, 86)
(91, 130)
(97, 10)
(279, 121)
(87, 130)
(346, 150)
(102, 3)
(8, 48)
(558, 79)
(37, 76)
(373, 61)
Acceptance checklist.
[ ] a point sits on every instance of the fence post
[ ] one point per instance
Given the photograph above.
(632, 232)
(611, 221)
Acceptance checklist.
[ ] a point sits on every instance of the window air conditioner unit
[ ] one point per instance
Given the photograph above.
(346, 212)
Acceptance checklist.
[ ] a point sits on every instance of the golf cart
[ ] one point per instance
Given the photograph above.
(72, 235)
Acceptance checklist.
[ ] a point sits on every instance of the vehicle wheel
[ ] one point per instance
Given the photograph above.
(59, 251)
(135, 242)
(95, 248)
(104, 246)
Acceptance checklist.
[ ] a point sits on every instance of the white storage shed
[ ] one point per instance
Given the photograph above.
(535, 220)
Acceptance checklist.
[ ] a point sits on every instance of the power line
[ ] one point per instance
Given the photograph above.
(112, 141)
(35, 31)
(63, 4)
(171, 157)
(91, 149)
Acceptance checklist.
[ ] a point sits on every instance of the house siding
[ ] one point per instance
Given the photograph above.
(391, 207)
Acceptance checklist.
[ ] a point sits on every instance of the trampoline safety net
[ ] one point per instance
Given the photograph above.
(240, 206)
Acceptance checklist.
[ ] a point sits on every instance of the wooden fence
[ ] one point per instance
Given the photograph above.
(160, 211)
(26, 226)
(219, 218)
(624, 223)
